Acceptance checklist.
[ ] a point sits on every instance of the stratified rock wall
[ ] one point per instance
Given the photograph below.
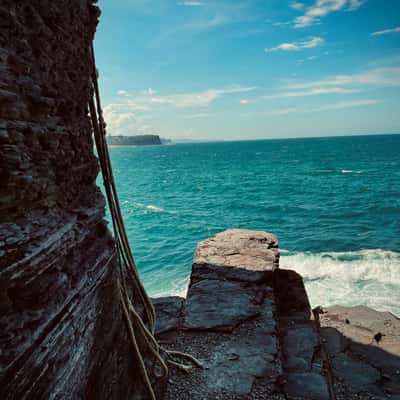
(61, 327)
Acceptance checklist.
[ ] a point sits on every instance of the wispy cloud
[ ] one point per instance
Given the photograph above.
(379, 77)
(198, 99)
(181, 100)
(281, 23)
(313, 92)
(321, 8)
(211, 15)
(129, 112)
(191, 3)
(296, 46)
(296, 5)
(197, 116)
(386, 31)
(150, 92)
(326, 107)
(221, 13)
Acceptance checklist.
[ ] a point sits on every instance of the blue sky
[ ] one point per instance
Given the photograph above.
(248, 69)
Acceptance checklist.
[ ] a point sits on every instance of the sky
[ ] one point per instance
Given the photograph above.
(249, 69)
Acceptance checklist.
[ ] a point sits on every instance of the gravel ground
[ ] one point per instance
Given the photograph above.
(192, 386)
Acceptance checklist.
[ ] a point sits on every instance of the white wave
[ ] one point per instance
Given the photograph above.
(175, 287)
(149, 207)
(350, 171)
(369, 277)
(154, 208)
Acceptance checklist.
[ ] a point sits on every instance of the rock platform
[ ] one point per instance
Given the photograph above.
(252, 327)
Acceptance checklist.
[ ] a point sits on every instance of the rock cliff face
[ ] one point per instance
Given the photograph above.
(62, 333)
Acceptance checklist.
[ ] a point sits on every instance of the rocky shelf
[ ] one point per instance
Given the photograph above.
(251, 325)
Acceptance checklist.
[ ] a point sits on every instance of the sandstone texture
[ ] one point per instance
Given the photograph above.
(61, 329)
(237, 255)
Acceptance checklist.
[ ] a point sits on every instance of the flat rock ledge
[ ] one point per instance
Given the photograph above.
(251, 326)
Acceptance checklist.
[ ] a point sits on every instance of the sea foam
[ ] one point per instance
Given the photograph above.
(369, 277)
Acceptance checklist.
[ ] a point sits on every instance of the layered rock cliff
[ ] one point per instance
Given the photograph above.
(61, 327)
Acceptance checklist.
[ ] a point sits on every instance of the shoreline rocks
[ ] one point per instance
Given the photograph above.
(251, 325)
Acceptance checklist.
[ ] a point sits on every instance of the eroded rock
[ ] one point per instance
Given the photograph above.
(221, 305)
(237, 254)
(168, 311)
(236, 363)
(364, 348)
(306, 385)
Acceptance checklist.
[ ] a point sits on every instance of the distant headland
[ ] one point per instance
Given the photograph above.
(138, 140)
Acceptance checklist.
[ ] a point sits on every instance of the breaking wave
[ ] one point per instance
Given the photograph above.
(370, 277)
(147, 207)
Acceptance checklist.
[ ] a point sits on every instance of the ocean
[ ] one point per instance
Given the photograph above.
(334, 204)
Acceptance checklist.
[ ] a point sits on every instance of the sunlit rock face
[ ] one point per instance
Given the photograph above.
(62, 332)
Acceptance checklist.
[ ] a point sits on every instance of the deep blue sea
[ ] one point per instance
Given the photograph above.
(334, 204)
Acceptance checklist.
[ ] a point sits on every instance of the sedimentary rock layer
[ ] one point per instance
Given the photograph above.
(62, 333)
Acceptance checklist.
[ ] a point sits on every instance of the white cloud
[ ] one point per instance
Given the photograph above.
(296, 5)
(342, 84)
(296, 46)
(281, 23)
(385, 31)
(244, 101)
(326, 107)
(355, 4)
(120, 119)
(321, 8)
(197, 116)
(191, 3)
(150, 91)
(128, 114)
(314, 92)
(180, 100)
(122, 93)
(380, 77)
(198, 99)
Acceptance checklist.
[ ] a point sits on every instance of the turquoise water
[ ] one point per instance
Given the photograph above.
(334, 203)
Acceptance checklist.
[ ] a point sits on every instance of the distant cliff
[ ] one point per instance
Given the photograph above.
(139, 140)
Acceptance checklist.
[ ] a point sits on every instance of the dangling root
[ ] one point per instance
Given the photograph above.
(183, 367)
(194, 360)
(127, 264)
